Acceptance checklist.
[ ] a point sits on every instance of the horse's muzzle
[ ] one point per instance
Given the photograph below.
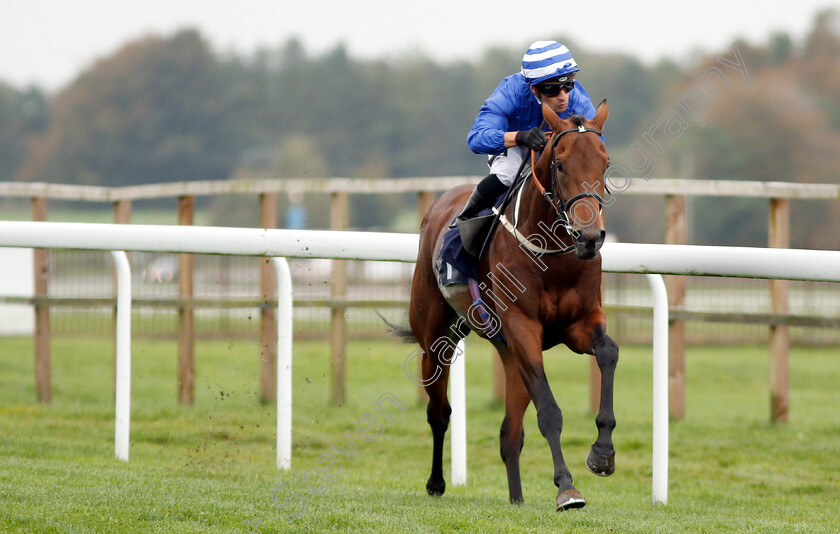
(588, 242)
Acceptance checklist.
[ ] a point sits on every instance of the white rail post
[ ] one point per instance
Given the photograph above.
(659, 492)
(123, 385)
(458, 420)
(284, 363)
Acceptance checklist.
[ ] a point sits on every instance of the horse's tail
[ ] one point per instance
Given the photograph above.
(403, 332)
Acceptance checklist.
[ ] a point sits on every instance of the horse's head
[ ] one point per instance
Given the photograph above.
(572, 168)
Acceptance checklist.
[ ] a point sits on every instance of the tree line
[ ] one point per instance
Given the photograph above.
(168, 108)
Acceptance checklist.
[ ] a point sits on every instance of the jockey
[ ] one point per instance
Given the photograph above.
(508, 125)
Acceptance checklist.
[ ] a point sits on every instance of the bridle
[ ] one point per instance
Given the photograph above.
(555, 197)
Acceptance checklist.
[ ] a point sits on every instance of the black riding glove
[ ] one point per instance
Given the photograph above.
(534, 138)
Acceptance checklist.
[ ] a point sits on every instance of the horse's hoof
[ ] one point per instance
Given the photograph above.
(571, 498)
(435, 488)
(601, 465)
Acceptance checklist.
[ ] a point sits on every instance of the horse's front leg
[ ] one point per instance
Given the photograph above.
(592, 338)
(601, 459)
(525, 338)
(512, 432)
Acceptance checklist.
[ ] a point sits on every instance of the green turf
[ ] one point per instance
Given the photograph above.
(211, 467)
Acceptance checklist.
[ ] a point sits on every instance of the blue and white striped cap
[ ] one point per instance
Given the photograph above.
(545, 60)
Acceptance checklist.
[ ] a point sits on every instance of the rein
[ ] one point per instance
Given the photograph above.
(560, 206)
(554, 198)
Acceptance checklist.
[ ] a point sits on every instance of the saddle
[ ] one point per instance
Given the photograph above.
(465, 244)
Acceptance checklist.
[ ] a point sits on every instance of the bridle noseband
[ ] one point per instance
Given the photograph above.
(555, 197)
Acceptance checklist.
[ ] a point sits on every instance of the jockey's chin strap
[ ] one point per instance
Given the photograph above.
(556, 201)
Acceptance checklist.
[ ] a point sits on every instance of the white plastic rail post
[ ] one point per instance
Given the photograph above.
(659, 493)
(284, 363)
(458, 401)
(123, 385)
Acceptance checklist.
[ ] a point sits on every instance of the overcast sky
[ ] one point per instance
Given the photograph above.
(49, 42)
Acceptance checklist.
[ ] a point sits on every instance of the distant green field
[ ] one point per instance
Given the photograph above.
(211, 467)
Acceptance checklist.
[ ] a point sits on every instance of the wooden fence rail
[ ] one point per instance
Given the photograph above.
(266, 188)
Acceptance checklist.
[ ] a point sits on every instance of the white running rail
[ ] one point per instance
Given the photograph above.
(651, 260)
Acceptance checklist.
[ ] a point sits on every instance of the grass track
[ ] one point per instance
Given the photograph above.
(210, 467)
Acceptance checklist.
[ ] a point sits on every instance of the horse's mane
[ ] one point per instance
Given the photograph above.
(578, 119)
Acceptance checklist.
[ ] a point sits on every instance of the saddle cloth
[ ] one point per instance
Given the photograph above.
(454, 254)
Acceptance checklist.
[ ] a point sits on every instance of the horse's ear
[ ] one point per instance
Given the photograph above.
(601, 114)
(551, 117)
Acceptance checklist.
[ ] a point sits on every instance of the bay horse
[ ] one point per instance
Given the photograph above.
(559, 301)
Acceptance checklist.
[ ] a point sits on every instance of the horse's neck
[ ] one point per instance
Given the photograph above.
(538, 217)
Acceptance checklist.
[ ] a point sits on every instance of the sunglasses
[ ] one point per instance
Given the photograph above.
(553, 89)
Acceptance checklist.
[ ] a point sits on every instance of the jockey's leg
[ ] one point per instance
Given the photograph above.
(485, 192)
(503, 168)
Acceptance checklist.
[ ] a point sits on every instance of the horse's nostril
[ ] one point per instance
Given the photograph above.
(589, 239)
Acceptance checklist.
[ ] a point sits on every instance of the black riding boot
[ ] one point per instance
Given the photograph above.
(483, 196)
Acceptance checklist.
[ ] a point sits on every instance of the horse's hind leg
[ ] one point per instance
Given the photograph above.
(438, 347)
(512, 433)
(437, 414)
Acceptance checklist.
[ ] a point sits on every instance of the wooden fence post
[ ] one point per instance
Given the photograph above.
(268, 313)
(41, 263)
(339, 220)
(498, 376)
(779, 237)
(675, 234)
(122, 211)
(186, 317)
(425, 199)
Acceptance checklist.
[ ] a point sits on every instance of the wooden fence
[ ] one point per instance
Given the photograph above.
(267, 190)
